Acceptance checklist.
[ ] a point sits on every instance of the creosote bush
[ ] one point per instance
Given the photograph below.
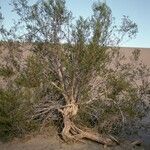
(75, 74)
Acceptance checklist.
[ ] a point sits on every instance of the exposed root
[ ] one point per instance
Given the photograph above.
(71, 133)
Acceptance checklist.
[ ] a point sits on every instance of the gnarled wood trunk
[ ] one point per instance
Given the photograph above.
(71, 132)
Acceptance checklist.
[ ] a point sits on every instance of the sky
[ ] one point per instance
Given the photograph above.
(137, 10)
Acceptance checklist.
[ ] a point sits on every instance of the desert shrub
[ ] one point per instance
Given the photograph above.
(61, 76)
(14, 120)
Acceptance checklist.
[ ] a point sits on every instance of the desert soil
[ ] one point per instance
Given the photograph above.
(42, 142)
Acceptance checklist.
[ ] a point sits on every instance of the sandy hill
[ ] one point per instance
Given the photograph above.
(145, 54)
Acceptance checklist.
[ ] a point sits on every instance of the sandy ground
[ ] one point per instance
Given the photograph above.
(41, 142)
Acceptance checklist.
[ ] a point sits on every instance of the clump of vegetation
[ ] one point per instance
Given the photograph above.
(31, 75)
(83, 81)
(6, 71)
(13, 115)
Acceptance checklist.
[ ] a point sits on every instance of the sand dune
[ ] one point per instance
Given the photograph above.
(145, 54)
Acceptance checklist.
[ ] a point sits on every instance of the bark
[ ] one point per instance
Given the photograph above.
(72, 133)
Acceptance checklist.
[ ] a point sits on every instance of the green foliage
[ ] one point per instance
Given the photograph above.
(101, 21)
(13, 115)
(31, 76)
(6, 71)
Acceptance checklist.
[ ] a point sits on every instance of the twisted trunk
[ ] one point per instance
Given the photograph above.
(71, 132)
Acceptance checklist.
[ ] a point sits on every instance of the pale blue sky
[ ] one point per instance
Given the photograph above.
(137, 10)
